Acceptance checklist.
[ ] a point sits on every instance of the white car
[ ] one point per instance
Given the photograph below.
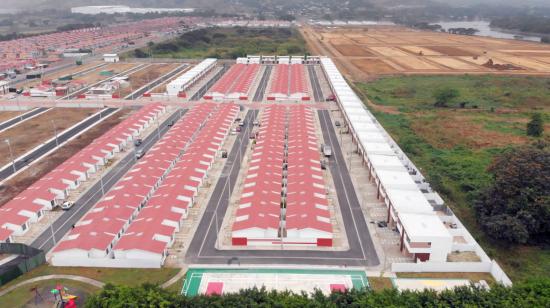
(67, 205)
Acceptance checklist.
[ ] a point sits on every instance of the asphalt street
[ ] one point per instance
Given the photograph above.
(12, 122)
(63, 224)
(26, 159)
(202, 248)
(259, 95)
(317, 92)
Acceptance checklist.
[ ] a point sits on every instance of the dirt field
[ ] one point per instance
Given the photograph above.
(95, 76)
(37, 130)
(7, 115)
(374, 65)
(162, 88)
(396, 49)
(146, 75)
(20, 182)
(454, 63)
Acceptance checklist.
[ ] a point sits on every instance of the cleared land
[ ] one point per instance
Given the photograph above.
(37, 130)
(21, 181)
(8, 115)
(454, 145)
(406, 51)
(95, 76)
(145, 76)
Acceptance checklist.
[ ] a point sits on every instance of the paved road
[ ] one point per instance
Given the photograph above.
(260, 91)
(63, 224)
(138, 93)
(25, 159)
(202, 248)
(198, 96)
(12, 122)
(317, 92)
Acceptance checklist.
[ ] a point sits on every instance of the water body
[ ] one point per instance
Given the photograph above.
(486, 30)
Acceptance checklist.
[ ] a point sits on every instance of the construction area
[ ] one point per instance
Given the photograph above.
(366, 52)
(264, 160)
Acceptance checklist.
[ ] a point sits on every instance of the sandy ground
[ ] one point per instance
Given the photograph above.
(8, 115)
(145, 76)
(95, 76)
(363, 53)
(20, 182)
(31, 133)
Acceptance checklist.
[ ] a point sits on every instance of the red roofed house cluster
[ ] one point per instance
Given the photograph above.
(289, 83)
(284, 194)
(134, 224)
(235, 83)
(54, 187)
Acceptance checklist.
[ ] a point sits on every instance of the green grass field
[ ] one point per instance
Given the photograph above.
(228, 43)
(130, 276)
(453, 146)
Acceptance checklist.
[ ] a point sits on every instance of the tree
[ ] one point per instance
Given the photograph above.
(532, 293)
(445, 95)
(535, 127)
(516, 207)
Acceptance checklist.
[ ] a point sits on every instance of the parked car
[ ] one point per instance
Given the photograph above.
(256, 123)
(224, 154)
(138, 142)
(171, 123)
(323, 165)
(67, 205)
(140, 153)
(238, 129)
(327, 150)
(337, 123)
(242, 123)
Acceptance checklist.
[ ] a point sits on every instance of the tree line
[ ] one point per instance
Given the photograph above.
(534, 293)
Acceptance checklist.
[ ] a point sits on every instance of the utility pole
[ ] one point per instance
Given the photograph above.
(55, 132)
(11, 155)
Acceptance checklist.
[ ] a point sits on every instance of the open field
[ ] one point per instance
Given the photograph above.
(454, 146)
(7, 115)
(411, 51)
(145, 76)
(95, 75)
(125, 276)
(20, 182)
(31, 133)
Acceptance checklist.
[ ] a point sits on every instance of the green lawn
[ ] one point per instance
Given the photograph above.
(228, 43)
(454, 146)
(131, 277)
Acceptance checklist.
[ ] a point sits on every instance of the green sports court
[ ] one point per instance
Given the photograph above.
(229, 280)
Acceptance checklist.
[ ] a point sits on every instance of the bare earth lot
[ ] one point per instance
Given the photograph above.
(20, 182)
(146, 75)
(37, 130)
(363, 53)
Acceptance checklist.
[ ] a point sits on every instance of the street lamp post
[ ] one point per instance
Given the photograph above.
(55, 132)
(11, 155)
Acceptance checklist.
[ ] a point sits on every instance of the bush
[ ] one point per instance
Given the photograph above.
(535, 127)
(516, 207)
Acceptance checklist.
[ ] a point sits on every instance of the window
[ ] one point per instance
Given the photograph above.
(24, 226)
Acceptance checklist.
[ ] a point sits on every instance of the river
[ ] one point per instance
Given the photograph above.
(486, 30)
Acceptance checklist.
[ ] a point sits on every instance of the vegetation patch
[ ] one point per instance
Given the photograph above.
(228, 43)
(454, 135)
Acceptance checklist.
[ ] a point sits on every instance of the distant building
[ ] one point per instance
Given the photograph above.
(111, 58)
(123, 9)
